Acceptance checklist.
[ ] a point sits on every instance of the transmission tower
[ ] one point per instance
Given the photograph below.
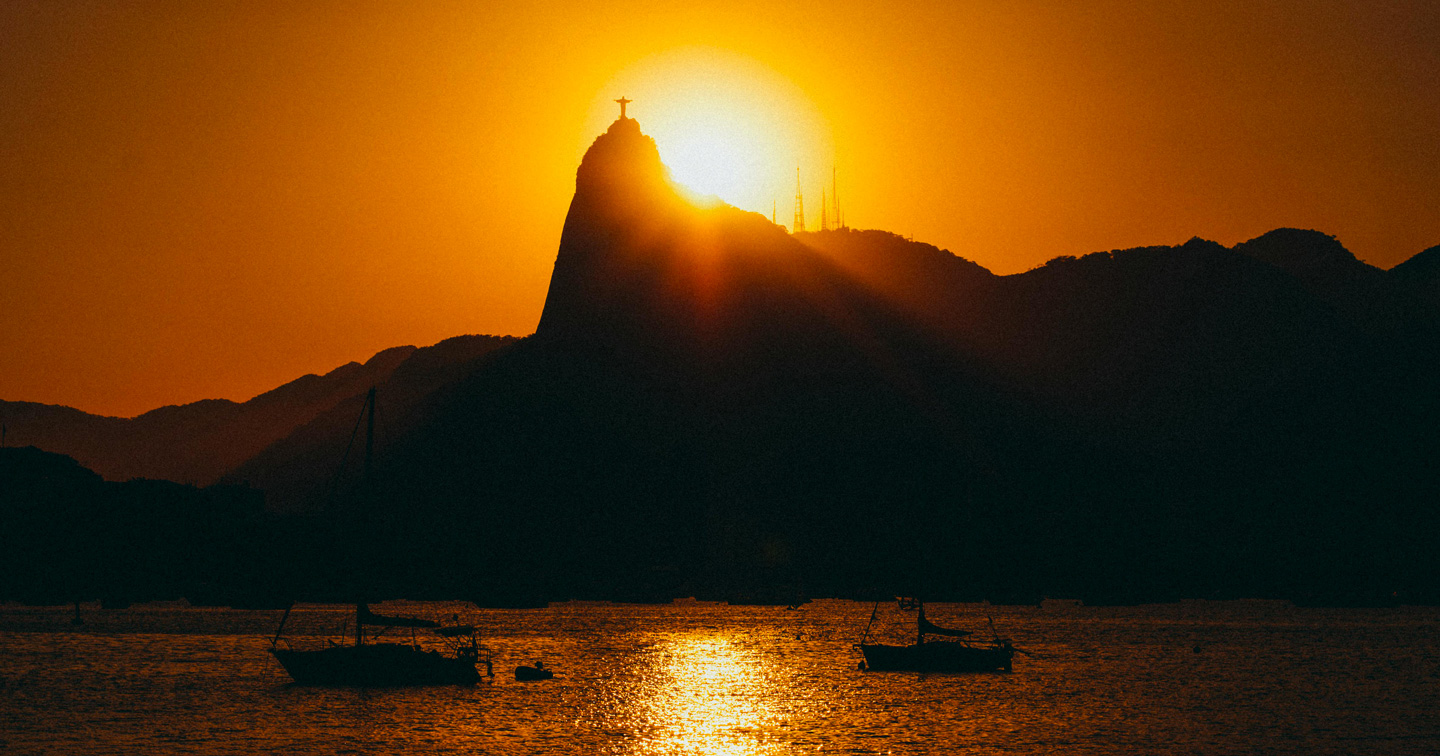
(799, 224)
(835, 200)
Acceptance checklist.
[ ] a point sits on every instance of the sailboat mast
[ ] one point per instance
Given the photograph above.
(370, 436)
(368, 481)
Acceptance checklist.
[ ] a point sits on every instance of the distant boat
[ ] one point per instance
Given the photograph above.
(370, 664)
(962, 655)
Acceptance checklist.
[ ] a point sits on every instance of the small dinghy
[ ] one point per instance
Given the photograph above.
(537, 672)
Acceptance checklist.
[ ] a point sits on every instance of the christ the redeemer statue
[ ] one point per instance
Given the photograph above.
(623, 102)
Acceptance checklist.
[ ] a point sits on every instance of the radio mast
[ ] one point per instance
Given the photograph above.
(799, 224)
(835, 199)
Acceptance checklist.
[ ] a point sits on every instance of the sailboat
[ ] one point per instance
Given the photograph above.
(964, 654)
(372, 664)
(368, 663)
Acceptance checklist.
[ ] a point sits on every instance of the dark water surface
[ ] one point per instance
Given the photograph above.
(694, 678)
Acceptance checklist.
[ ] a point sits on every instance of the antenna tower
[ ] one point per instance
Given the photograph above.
(799, 224)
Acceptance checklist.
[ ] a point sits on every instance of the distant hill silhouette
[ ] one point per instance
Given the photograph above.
(199, 442)
(712, 406)
(1421, 275)
(1423, 268)
(296, 471)
(68, 535)
(1331, 272)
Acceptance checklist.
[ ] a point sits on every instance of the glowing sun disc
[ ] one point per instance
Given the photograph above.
(726, 125)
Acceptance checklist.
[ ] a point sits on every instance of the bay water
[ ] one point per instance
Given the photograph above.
(692, 677)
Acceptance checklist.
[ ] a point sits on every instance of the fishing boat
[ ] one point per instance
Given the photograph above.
(963, 654)
(371, 663)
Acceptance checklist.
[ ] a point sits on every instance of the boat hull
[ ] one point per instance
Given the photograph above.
(529, 674)
(375, 665)
(937, 657)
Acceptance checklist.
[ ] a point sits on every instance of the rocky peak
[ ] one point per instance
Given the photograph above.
(621, 159)
(623, 197)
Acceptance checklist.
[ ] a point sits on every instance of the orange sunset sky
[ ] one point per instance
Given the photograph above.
(208, 199)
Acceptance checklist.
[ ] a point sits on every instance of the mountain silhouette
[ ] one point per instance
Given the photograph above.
(1332, 273)
(201, 441)
(692, 366)
(68, 535)
(1423, 268)
(195, 442)
(712, 406)
(1421, 276)
(297, 472)
(710, 397)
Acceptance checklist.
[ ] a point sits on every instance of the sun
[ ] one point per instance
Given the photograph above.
(727, 126)
(711, 154)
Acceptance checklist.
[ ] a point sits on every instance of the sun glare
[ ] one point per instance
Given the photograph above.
(727, 126)
(715, 700)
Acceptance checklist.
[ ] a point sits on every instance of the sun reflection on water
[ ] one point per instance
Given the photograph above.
(711, 698)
